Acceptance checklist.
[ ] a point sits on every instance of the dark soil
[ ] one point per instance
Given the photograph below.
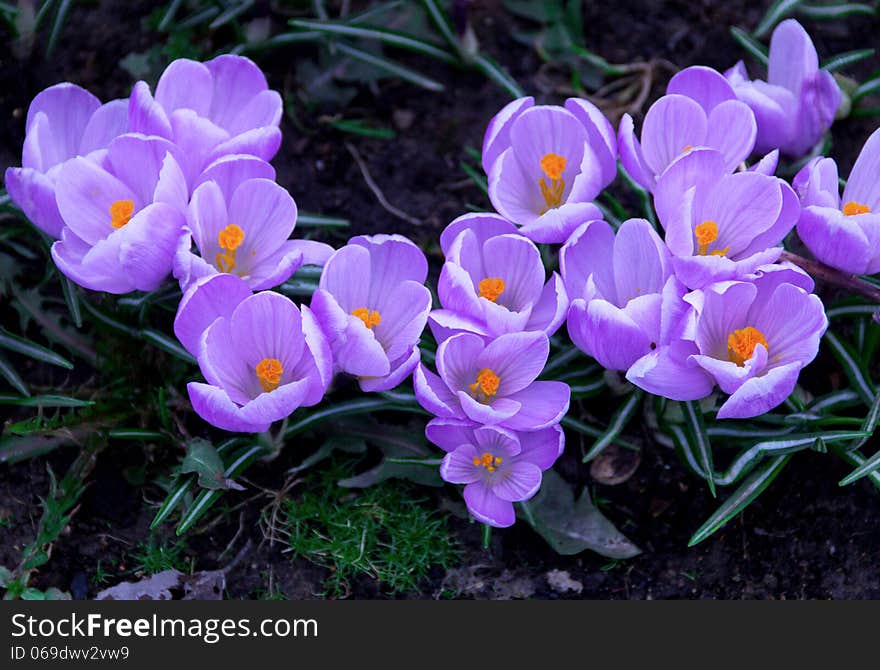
(804, 538)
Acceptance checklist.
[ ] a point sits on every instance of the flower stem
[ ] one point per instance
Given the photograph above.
(827, 274)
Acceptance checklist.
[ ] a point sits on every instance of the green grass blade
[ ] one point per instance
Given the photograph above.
(231, 14)
(852, 310)
(167, 344)
(846, 59)
(777, 11)
(72, 300)
(499, 75)
(438, 17)
(853, 370)
(476, 176)
(741, 498)
(870, 87)
(10, 374)
(391, 67)
(32, 350)
(754, 47)
(619, 421)
(44, 401)
(699, 442)
(57, 27)
(320, 221)
(833, 12)
(357, 127)
(390, 37)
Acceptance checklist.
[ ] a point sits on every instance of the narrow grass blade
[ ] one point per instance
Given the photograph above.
(777, 11)
(475, 176)
(198, 18)
(231, 14)
(870, 87)
(438, 17)
(206, 499)
(390, 67)
(345, 408)
(10, 374)
(741, 498)
(390, 37)
(170, 13)
(32, 350)
(356, 127)
(619, 421)
(847, 59)
(598, 62)
(754, 47)
(167, 344)
(321, 221)
(44, 401)
(72, 300)
(57, 27)
(855, 457)
(832, 12)
(42, 13)
(499, 75)
(854, 372)
(852, 310)
(137, 434)
(699, 442)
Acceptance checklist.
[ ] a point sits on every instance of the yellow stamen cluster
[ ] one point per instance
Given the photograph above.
(488, 461)
(269, 371)
(706, 233)
(741, 344)
(370, 317)
(491, 287)
(121, 212)
(553, 165)
(486, 385)
(229, 239)
(852, 208)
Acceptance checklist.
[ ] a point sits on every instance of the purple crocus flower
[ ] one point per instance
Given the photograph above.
(210, 110)
(207, 299)
(122, 215)
(493, 384)
(63, 121)
(722, 227)
(498, 467)
(372, 305)
(617, 284)
(797, 103)
(261, 362)
(843, 232)
(700, 109)
(248, 236)
(752, 338)
(547, 163)
(493, 282)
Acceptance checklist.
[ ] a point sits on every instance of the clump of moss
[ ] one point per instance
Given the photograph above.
(389, 532)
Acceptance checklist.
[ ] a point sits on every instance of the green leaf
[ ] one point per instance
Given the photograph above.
(870, 87)
(846, 59)
(750, 489)
(44, 401)
(167, 344)
(203, 460)
(72, 300)
(390, 37)
(57, 27)
(10, 374)
(390, 67)
(832, 12)
(571, 526)
(619, 421)
(169, 15)
(345, 408)
(358, 127)
(438, 17)
(36, 351)
(852, 310)
(231, 14)
(854, 371)
(321, 221)
(499, 75)
(777, 11)
(754, 47)
(206, 499)
(698, 441)
(477, 177)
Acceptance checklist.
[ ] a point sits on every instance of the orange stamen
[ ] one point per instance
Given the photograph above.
(370, 317)
(852, 208)
(553, 165)
(488, 461)
(706, 233)
(741, 344)
(486, 385)
(269, 371)
(121, 212)
(229, 239)
(491, 288)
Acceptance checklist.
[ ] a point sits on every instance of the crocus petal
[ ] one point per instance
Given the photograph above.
(488, 508)
(728, 375)
(185, 84)
(672, 124)
(434, 395)
(787, 218)
(346, 277)
(445, 323)
(517, 359)
(401, 369)
(542, 447)
(775, 109)
(724, 309)
(631, 156)
(317, 361)
(835, 239)
(458, 466)
(641, 260)
(276, 268)
(67, 109)
(195, 137)
(230, 171)
(558, 224)
(761, 394)
(549, 311)
(267, 215)
(541, 130)
(706, 86)
(92, 267)
(589, 252)
(862, 185)
(732, 130)
(543, 404)
(457, 360)
(263, 326)
(236, 81)
(497, 137)
(393, 259)
(450, 434)
(513, 192)
(606, 333)
(517, 262)
(145, 115)
(215, 407)
(600, 136)
(34, 193)
(767, 165)
(482, 225)
(84, 193)
(204, 302)
(262, 142)
(136, 160)
(108, 122)
(700, 167)
(403, 318)
(793, 57)
(520, 482)
(793, 322)
(666, 372)
(818, 184)
(148, 243)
